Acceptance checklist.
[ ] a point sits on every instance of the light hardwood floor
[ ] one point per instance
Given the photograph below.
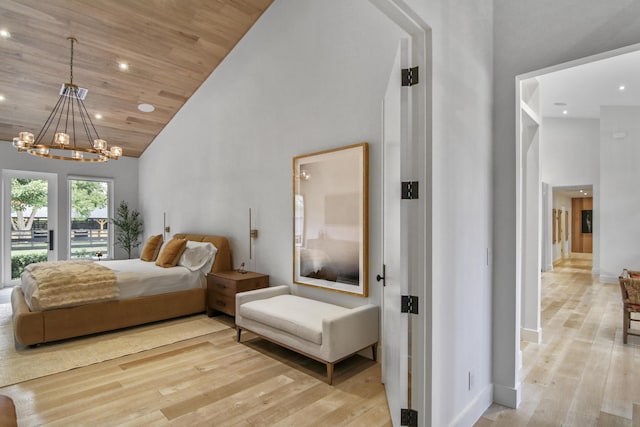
(581, 374)
(209, 380)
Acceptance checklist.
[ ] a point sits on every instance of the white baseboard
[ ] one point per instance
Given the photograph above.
(608, 279)
(475, 408)
(531, 335)
(507, 396)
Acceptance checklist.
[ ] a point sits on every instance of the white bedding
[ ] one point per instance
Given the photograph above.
(137, 278)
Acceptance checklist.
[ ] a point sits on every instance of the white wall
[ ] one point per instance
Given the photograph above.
(520, 47)
(462, 211)
(619, 183)
(124, 172)
(311, 76)
(570, 151)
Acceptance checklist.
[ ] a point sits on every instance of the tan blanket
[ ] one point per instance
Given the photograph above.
(56, 284)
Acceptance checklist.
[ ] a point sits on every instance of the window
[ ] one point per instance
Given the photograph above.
(90, 209)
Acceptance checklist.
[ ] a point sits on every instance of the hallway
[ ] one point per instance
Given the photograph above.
(581, 375)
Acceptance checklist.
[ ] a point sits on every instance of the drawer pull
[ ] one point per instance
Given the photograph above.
(221, 286)
(222, 303)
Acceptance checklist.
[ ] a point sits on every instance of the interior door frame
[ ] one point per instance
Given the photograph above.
(5, 229)
(417, 166)
(513, 352)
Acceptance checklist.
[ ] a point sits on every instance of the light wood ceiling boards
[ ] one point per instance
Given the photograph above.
(171, 47)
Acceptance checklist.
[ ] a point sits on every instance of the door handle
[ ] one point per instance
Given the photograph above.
(50, 240)
(379, 278)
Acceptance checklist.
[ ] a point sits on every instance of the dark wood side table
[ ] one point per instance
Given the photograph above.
(223, 286)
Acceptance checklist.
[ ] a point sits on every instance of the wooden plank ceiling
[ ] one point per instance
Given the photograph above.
(171, 47)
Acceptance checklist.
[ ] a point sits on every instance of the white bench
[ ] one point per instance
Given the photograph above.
(325, 332)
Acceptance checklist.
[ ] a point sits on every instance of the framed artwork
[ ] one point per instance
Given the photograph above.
(554, 219)
(587, 221)
(559, 225)
(330, 219)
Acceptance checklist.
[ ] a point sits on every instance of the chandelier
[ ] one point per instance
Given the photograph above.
(61, 143)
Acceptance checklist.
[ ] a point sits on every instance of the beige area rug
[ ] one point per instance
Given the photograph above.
(26, 363)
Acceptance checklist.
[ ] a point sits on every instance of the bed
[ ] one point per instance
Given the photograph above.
(134, 307)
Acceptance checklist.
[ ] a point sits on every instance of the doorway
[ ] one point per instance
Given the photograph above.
(29, 231)
(528, 236)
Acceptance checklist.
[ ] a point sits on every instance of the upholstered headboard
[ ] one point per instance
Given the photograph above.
(223, 256)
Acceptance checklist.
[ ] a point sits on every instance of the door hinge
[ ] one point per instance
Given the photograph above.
(409, 417)
(409, 304)
(409, 76)
(409, 190)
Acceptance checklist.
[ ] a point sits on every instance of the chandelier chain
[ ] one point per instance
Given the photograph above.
(73, 40)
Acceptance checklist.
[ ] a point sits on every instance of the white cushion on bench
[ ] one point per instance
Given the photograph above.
(299, 316)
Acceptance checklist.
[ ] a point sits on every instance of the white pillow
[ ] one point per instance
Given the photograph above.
(198, 255)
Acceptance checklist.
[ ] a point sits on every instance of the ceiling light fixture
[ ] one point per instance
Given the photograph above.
(5, 34)
(621, 88)
(61, 142)
(146, 108)
(565, 112)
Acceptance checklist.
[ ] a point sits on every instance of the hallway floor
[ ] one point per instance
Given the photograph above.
(581, 374)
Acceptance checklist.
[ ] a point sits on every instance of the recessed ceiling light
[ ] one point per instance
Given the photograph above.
(123, 66)
(621, 88)
(2, 98)
(565, 112)
(146, 108)
(98, 116)
(5, 34)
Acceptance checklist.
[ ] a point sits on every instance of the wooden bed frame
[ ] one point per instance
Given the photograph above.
(35, 327)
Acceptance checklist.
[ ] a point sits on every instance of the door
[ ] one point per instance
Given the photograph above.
(90, 208)
(395, 329)
(29, 204)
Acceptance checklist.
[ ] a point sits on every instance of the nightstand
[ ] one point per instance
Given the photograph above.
(223, 286)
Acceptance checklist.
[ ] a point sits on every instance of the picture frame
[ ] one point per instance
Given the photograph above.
(553, 221)
(330, 219)
(559, 225)
(587, 221)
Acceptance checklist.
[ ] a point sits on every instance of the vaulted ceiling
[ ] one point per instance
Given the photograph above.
(170, 47)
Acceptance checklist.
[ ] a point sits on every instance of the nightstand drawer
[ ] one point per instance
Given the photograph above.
(222, 288)
(224, 303)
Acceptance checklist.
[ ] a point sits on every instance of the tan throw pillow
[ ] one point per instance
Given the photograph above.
(171, 253)
(151, 248)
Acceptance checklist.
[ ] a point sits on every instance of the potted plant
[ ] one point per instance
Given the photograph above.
(129, 227)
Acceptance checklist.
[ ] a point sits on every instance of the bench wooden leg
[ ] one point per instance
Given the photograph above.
(329, 373)
(374, 349)
(239, 329)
